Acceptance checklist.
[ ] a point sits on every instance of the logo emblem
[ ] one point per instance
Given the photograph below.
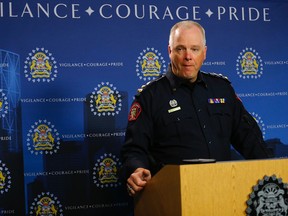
(249, 64)
(5, 178)
(40, 65)
(43, 138)
(269, 198)
(3, 104)
(46, 204)
(150, 64)
(105, 100)
(105, 171)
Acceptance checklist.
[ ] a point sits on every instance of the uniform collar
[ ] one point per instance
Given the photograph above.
(175, 81)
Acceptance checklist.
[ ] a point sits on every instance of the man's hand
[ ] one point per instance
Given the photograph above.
(138, 180)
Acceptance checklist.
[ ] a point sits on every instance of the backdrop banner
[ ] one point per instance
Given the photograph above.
(69, 71)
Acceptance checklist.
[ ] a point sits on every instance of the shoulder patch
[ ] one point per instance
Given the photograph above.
(216, 75)
(134, 112)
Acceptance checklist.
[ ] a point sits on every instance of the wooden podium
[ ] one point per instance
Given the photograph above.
(220, 188)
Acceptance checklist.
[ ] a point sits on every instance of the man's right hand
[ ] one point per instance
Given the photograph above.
(138, 180)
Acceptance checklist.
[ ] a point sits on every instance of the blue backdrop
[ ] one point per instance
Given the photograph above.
(69, 71)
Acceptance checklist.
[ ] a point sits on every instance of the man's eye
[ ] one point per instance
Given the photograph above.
(180, 49)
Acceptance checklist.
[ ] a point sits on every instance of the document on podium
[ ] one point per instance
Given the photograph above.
(198, 161)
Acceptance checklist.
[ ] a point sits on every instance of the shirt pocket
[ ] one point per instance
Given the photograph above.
(176, 124)
(221, 118)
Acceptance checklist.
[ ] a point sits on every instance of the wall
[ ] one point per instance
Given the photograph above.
(69, 71)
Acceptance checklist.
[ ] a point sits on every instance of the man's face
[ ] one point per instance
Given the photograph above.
(187, 52)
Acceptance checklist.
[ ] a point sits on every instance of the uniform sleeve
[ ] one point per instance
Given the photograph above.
(135, 151)
(247, 137)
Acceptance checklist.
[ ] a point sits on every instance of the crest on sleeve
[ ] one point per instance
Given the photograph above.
(134, 112)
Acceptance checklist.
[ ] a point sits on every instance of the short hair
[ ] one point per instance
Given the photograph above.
(187, 24)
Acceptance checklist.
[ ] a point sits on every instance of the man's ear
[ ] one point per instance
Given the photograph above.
(169, 49)
(205, 52)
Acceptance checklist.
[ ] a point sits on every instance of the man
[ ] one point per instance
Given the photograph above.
(186, 114)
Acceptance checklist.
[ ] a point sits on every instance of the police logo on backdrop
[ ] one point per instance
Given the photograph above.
(40, 65)
(269, 198)
(3, 104)
(105, 171)
(150, 64)
(46, 204)
(43, 138)
(260, 123)
(249, 64)
(105, 100)
(5, 178)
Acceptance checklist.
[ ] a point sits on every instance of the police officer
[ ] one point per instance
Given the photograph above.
(186, 114)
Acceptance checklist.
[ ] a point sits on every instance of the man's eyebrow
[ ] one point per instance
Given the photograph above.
(192, 46)
(180, 45)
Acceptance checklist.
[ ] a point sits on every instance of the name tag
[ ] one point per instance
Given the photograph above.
(174, 109)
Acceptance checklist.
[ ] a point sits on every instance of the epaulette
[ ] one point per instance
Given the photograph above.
(149, 83)
(218, 76)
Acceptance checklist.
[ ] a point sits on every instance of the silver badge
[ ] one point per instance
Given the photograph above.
(173, 103)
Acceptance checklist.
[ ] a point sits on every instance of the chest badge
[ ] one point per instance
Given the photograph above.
(174, 104)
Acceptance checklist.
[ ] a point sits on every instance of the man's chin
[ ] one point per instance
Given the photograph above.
(191, 75)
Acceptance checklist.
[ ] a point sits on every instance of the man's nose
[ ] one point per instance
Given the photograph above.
(188, 55)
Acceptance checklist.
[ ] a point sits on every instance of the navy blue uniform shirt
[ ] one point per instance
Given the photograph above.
(172, 119)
